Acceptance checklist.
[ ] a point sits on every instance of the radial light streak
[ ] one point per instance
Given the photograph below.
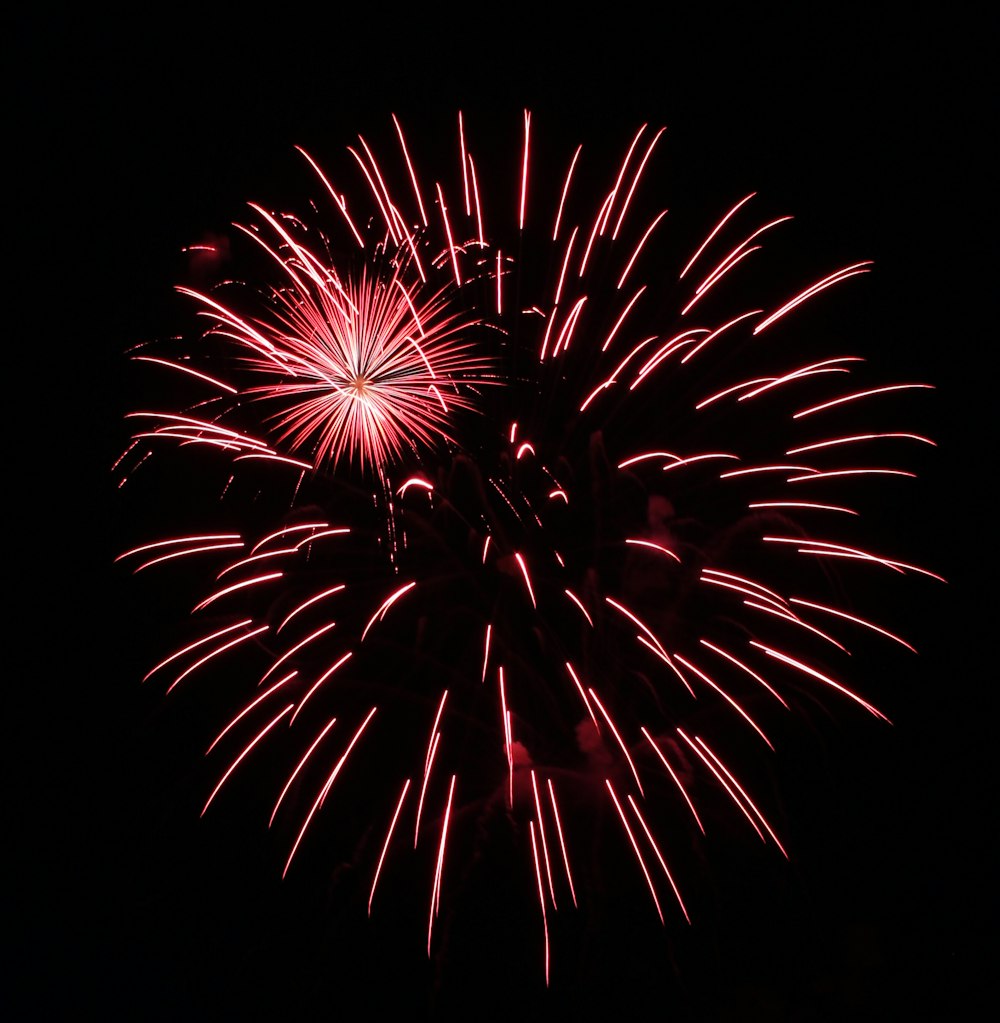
(827, 282)
(299, 766)
(800, 666)
(246, 710)
(673, 776)
(739, 788)
(385, 844)
(397, 362)
(318, 802)
(732, 703)
(322, 680)
(186, 552)
(541, 897)
(852, 618)
(635, 849)
(545, 844)
(214, 653)
(562, 841)
(439, 868)
(659, 856)
(722, 779)
(236, 763)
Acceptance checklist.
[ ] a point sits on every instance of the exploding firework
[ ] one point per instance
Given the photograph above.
(504, 532)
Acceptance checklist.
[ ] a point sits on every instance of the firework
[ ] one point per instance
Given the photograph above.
(524, 520)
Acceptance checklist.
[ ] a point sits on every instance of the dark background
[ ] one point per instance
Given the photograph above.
(134, 136)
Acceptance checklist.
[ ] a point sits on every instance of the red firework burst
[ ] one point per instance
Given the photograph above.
(579, 543)
(368, 368)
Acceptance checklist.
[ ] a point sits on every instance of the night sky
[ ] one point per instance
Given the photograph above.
(135, 136)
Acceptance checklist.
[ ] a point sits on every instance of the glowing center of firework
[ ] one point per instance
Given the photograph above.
(360, 384)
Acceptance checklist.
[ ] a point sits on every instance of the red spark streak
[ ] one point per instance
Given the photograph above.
(743, 714)
(321, 631)
(562, 840)
(683, 791)
(432, 745)
(214, 653)
(246, 710)
(541, 897)
(429, 763)
(179, 539)
(659, 856)
(576, 600)
(236, 763)
(195, 645)
(617, 735)
(436, 890)
(749, 802)
(321, 680)
(545, 845)
(861, 394)
(655, 547)
(718, 227)
(187, 551)
(827, 282)
(635, 849)
(187, 369)
(255, 581)
(527, 578)
(739, 664)
(386, 604)
(800, 666)
(299, 766)
(318, 802)
(385, 845)
(308, 603)
(583, 695)
(565, 191)
(852, 618)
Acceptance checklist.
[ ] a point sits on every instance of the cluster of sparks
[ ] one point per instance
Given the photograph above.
(486, 561)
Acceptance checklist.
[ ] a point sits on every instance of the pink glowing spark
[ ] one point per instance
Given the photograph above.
(246, 710)
(385, 605)
(322, 680)
(218, 651)
(858, 395)
(328, 784)
(439, 868)
(659, 855)
(739, 788)
(618, 737)
(827, 282)
(653, 546)
(673, 776)
(242, 585)
(541, 896)
(852, 618)
(733, 703)
(826, 680)
(299, 766)
(562, 840)
(236, 763)
(385, 845)
(749, 671)
(541, 833)
(635, 849)
(519, 558)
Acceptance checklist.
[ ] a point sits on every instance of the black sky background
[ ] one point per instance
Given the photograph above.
(139, 134)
